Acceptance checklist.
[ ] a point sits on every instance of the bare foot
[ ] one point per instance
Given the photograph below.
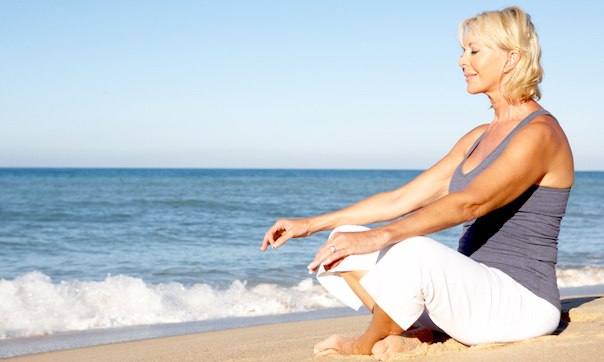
(398, 343)
(335, 344)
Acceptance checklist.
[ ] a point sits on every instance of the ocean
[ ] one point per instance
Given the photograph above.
(102, 249)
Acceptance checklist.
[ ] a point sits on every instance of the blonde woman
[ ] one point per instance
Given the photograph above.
(507, 182)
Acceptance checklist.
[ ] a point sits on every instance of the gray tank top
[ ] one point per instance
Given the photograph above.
(521, 238)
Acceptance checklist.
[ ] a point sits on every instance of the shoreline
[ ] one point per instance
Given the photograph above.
(272, 335)
(580, 337)
(24, 346)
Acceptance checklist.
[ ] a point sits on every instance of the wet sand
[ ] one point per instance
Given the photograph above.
(580, 337)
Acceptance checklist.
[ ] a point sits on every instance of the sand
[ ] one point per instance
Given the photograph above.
(580, 337)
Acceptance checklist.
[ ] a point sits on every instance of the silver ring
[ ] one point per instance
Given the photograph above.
(333, 249)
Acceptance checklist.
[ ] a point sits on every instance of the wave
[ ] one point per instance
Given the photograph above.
(580, 277)
(32, 305)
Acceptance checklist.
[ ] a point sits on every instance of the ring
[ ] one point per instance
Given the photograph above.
(333, 249)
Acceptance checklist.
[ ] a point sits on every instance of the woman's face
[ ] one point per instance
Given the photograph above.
(482, 66)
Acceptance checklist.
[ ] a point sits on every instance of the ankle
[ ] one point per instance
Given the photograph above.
(361, 347)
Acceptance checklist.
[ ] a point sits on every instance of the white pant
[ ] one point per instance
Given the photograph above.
(469, 301)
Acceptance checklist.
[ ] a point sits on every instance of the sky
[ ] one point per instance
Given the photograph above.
(270, 84)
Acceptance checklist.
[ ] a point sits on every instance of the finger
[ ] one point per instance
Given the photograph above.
(268, 240)
(333, 264)
(319, 257)
(285, 236)
(331, 260)
(265, 242)
(269, 237)
(322, 257)
(326, 257)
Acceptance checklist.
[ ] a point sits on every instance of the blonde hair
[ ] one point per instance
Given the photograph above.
(511, 29)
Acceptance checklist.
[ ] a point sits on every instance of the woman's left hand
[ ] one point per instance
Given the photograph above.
(343, 244)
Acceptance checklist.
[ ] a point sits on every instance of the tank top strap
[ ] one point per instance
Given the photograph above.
(528, 118)
(499, 149)
(459, 174)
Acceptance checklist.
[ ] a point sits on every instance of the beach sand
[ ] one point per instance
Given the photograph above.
(580, 337)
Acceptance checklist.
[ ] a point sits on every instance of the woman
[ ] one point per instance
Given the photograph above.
(508, 182)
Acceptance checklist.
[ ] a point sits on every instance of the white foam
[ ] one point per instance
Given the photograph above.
(580, 277)
(32, 305)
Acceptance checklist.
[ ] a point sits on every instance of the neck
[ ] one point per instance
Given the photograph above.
(506, 110)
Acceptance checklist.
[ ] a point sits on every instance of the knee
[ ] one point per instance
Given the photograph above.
(420, 249)
(348, 229)
(418, 245)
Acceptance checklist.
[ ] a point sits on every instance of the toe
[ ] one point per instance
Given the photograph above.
(378, 349)
(326, 347)
(325, 352)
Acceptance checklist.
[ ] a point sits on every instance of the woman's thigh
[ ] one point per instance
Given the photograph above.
(468, 300)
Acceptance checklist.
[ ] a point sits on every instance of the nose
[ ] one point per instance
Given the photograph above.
(463, 60)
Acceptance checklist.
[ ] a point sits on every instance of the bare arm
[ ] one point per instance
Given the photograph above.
(431, 185)
(536, 153)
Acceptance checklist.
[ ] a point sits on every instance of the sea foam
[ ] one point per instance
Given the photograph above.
(580, 277)
(32, 304)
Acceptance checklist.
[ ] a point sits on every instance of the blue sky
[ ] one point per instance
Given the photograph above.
(269, 84)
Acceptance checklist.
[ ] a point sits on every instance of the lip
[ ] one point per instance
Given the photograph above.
(469, 76)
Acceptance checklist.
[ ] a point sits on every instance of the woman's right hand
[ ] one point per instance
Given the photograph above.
(285, 229)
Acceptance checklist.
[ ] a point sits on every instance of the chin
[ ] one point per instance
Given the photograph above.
(473, 91)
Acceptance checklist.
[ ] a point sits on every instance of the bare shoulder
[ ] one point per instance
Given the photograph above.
(543, 143)
(476, 132)
(463, 145)
(543, 131)
(438, 177)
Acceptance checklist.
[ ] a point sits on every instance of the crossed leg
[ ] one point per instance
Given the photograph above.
(383, 338)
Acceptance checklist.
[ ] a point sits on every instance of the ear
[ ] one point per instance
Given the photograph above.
(513, 59)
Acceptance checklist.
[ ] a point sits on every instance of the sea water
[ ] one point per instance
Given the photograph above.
(83, 249)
